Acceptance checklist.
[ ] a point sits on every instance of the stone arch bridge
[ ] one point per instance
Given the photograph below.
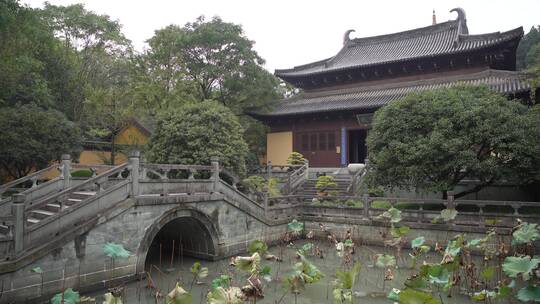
(62, 225)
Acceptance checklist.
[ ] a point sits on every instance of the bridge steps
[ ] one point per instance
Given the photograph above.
(50, 209)
(4, 229)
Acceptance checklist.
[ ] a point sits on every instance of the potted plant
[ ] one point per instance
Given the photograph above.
(325, 185)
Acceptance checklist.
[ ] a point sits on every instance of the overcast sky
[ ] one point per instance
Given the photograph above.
(294, 32)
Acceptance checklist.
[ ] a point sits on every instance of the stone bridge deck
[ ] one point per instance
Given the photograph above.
(62, 225)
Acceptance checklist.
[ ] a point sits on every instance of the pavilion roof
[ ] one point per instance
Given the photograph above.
(375, 96)
(445, 38)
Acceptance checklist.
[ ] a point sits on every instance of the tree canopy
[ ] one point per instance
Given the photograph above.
(194, 133)
(78, 62)
(524, 57)
(432, 140)
(31, 138)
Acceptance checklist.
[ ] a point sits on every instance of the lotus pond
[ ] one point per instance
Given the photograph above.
(331, 270)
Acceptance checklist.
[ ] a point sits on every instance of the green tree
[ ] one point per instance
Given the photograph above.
(195, 132)
(531, 39)
(432, 140)
(31, 138)
(93, 45)
(31, 59)
(208, 60)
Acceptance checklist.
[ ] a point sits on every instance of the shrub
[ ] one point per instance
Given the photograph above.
(296, 159)
(194, 133)
(82, 173)
(326, 184)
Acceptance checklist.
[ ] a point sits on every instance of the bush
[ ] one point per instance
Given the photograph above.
(432, 140)
(326, 184)
(194, 133)
(32, 137)
(82, 173)
(296, 159)
(259, 184)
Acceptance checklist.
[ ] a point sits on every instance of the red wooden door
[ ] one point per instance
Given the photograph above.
(319, 147)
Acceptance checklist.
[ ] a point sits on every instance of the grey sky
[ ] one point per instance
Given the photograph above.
(289, 33)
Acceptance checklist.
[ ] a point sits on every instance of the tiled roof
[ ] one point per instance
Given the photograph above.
(441, 39)
(369, 97)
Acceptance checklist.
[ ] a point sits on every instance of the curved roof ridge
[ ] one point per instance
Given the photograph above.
(439, 27)
(303, 66)
(510, 33)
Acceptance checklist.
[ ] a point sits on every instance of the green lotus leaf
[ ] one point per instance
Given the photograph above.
(417, 242)
(178, 296)
(411, 296)
(114, 251)
(526, 233)
(474, 243)
(111, 299)
(488, 273)
(307, 247)
(248, 264)
(309, 271)
(448, 214)
(424, 248)
(529, 293)
(513, 266)
(221, 281)
(398, 232)
(392, 214)
(385, 260)
(69, 297)
(195, 268)
(199, 271)
(346, 279)
(266, 275)
(220, 295)
(505, 290)
(257, 246)
(393, 295)
(342, 296)
(438, 275)
(296, 226)
(484, 295)
(418, 283)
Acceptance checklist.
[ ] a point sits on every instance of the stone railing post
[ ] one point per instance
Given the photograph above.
(450, 200)
(269, 170)
(66, 171)
(214, 160)
(134, 163)
(365, 200)
(450, 204)
(18, 223)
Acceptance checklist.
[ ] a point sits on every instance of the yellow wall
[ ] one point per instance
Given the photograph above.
(93, 157)
(131, 135)
(278, 147)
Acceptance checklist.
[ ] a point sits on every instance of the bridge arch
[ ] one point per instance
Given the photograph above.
(193, 228)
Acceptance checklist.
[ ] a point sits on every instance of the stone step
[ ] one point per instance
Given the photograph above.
(53, 207)
(84, 193)
(41, 214)
(72, 201)
(32, 221)
(4, 229)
